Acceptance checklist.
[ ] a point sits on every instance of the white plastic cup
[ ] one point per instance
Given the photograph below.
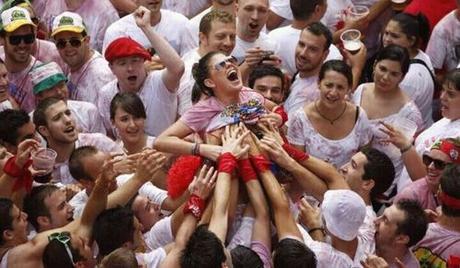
(357, 12)
(44, 159)
(351, 40)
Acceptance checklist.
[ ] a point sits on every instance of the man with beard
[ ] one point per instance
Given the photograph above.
(54, 121)
(167, 24)
(157, 89)
(18, 36)
(192, 28)
(217, 33)
(89, 71)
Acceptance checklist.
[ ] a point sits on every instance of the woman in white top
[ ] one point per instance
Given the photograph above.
(411, 32)
(127, 113)
(384, 101)
(331, 128)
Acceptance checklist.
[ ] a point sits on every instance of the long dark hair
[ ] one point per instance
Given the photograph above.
(200, 72)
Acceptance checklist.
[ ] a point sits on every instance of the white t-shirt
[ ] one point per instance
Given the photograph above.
(148, 143)
(186, 8)
(444, 38)
(151, 259)
(85, 83)
(408, 111)
(337, 152)
(184, 93)
(419, 86)
(78, 202)
(288, 37)
(303, 91)
(171, 27)
(160, 104)
(100, 141)
(160, 234)
(192, 30)
(263, 41)
(335, 12)
(281, 8)
(86, 116)
(97, 16)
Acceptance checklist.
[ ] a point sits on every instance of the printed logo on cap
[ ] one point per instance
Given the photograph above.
(18, 15)
(65, 21)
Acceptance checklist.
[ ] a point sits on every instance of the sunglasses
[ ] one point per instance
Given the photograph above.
(221, 65)
(438, 164)
(63, 238)
(16, 39)
(74, 42)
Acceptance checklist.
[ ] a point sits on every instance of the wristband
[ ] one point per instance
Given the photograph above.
(280, 110)
(405, 149)
(316, 229)
(295, 153)
(12, 169)
(227, 163)
(260, 163)
(246, 170)
(195, 206)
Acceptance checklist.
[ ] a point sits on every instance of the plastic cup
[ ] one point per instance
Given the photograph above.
(351, 40)
(357, 12)
(398, 5)
(44, 159)
(406, 126)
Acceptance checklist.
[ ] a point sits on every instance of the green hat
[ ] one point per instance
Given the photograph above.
(46, 76)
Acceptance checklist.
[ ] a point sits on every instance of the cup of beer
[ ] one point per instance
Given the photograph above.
(351, 40)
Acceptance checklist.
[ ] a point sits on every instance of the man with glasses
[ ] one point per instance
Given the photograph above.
(89, 71)
(157, 89)
(425, 190)
(17, 34)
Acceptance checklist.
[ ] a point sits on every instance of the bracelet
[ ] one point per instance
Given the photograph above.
(405, 149)
(316, 229)
(195, 206)
(295, 153)
(227, 163)
(260, 163)
(246, 170)
(196, 149)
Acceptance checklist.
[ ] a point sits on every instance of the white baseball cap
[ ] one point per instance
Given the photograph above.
(68, 21)
(15, 17)
(344, 212)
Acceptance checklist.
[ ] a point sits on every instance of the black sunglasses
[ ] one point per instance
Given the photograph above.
(16, 39)
(438, 164)
(74, 42)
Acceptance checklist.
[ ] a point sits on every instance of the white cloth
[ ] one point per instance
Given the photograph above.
(186, 8)
(444, 38)
(419, 86)
(192, 30)
(100, 141)
(151, 259)
(408, 111)
(148, 143)
(160, 234)
(303, 91)
(184, 93)
(153, 193)
(160, 104)
(78, 202)
(289, 37)
(97, 15)
(6, 104)
(86, 117)
(335, 12)
(85, 83)
(337, 152)
(281, 8)
(171, 27)
(263, 41)
(243, 235)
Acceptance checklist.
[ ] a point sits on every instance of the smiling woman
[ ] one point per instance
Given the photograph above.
(224, 101)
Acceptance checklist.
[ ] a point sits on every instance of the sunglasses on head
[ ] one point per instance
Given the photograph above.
(74, 42)
(16, 39)
(221, 65)
(63, 238)
(438, 164)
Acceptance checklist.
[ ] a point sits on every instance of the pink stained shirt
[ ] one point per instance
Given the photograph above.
(198, 117)
(419, 191)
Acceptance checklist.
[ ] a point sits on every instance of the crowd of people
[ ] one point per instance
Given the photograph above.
(229, 133)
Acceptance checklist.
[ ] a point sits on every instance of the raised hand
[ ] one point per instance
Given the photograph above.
(126, 164)
(203, 184)
(142, 17)
(374, 261)
(395, 136)
(309, 216)
(148, 163)
(232, 141)
(269, 130)
(25, 148)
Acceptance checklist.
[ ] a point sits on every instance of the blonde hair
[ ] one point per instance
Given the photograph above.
(120, 258)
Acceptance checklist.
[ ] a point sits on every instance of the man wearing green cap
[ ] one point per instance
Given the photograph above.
(49, 81)
(17, 34)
